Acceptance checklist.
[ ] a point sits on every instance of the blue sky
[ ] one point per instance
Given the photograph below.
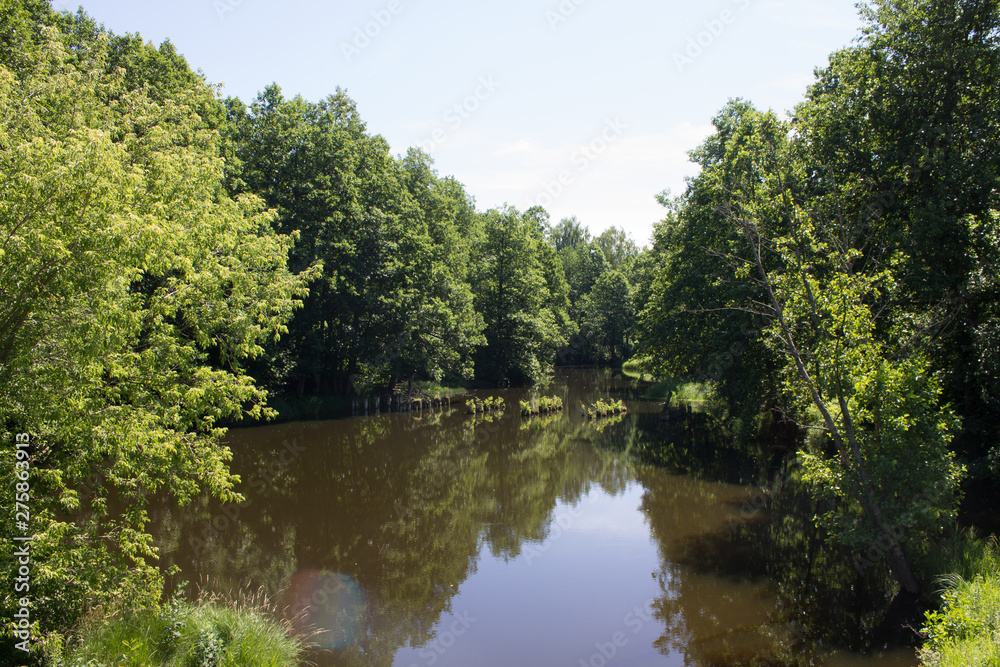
(587, 107)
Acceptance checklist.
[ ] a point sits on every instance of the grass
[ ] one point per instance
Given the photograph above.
(207, 633)
(438, 390)
(966, 631)
(634, 368)
(679, 392)
(545, 405)
(601, 409)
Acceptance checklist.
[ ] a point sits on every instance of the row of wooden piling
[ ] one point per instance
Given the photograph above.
(396, 403)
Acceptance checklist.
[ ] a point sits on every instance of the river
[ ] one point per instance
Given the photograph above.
(436, 538)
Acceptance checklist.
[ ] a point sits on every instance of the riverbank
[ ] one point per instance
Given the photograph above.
(291, 408)
(966, 630)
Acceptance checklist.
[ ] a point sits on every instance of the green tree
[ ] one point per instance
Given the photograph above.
(686, 328)
(904, 133)
(618, 247)
(132, 291)
(569, 233)
(394, 300)
(516, 284)
(444, 328)
(891, 480)
(610, 317)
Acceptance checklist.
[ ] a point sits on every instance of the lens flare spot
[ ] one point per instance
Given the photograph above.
(329, 607)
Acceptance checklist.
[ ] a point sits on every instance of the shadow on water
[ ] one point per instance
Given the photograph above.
(385, 531)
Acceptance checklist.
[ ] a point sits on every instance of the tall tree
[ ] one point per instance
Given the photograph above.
(394, 299)
(904, 133)
(687, 329)
(132, 293)
(514, 284)
(618, 247)
(610, 317)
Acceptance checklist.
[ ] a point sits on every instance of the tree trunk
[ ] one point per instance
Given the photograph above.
(849, 450)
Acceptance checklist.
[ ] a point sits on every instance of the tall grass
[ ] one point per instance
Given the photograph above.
(206, 633)
(680, 393)
(636, 368)
(966, 631)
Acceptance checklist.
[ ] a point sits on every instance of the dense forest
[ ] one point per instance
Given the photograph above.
(173, 260)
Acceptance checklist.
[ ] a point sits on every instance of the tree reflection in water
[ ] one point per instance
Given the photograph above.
(386, 517)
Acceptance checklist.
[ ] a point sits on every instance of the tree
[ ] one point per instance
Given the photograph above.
(132, 292)
(904, 133)
(444, 327)
(758, 243)
(686, 328)
(514, 283)
(569, 233)
(881, 413)
(609, 315)
(394, 300)
(618, 247)
(824, 287)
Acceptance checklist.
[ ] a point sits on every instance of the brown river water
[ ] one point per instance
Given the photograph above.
(435, 538)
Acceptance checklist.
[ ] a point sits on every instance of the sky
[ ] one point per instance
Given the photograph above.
(586, 107)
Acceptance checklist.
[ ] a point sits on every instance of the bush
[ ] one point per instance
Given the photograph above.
(966, 631)
(601, 409)
(182, 634)
(545, 405)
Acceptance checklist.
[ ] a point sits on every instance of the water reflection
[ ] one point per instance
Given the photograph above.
(444, 539)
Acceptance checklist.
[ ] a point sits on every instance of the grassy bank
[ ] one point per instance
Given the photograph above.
(207, 632)
(679, 392)
(634, 368)
(966, 630)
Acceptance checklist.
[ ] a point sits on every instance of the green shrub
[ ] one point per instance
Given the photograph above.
(602, 408)
(182, 634)
(966, 631)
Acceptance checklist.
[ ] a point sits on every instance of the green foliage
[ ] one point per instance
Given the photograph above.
(609, 317)
(598, 275)
(205, 633)
(487, 405)
(908, 145)
(549, 404)
(833, 268)
(21, 38)
(601, 409)
(544, 405)
(635, 368)
(966, 631)
(132, 291)
(520, 291)
(619, 249)
(688, 324)
(387, 239)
